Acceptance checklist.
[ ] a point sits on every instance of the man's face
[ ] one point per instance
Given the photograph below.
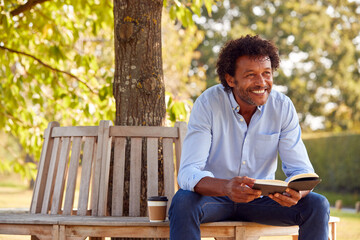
(252, 81)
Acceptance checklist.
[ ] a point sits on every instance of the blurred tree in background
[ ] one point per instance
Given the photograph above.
(319, 45)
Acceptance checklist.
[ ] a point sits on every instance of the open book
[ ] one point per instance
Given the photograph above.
(300, 182)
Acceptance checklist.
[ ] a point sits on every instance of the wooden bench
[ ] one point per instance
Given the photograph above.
(54, 214)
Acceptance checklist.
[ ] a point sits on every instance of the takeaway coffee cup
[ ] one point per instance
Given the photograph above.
(157, 208)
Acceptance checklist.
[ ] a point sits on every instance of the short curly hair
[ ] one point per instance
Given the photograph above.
(252, 46)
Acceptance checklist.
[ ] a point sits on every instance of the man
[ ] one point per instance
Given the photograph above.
(235, 132)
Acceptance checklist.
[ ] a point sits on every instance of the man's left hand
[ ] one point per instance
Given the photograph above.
(287, 199)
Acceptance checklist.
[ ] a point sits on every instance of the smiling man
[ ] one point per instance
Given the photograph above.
(235, 133)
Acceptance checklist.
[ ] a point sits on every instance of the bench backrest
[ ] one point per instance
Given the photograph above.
(144, 155)
(93, 146)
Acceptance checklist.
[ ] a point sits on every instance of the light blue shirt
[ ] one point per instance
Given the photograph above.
(220, 144)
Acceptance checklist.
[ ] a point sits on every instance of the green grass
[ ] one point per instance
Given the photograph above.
(14, 192)
(349, 225)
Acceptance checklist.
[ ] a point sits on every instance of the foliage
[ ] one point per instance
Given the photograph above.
(336, 159)
(319, 44)
(348, 199)
(177, 109)
(57, 65)
(183, 10)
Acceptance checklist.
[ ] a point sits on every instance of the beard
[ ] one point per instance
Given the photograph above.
(246, 95)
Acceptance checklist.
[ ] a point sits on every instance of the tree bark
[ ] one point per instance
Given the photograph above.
(138, 85)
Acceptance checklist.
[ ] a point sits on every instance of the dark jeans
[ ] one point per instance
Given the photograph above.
(189, 209)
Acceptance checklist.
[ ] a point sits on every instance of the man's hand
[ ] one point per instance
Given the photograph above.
(289, 198)
(239, 189)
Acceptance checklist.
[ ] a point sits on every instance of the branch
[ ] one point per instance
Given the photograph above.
(27, 6)
(50, 67)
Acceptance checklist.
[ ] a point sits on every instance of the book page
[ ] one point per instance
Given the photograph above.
(271, 182)
(304, 175)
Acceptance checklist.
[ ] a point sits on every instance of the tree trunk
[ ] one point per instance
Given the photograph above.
(138, 86)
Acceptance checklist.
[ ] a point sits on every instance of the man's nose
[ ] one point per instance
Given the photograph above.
(260, 80)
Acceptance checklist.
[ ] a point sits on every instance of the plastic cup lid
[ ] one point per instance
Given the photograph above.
(157, 198)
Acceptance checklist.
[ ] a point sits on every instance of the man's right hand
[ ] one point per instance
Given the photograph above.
(239, 189)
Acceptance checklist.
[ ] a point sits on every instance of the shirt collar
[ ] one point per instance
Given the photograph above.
(235, 106)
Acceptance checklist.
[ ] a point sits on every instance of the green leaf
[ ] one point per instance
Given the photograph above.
(4, 23)
(208, 6)
(56, 53)
(196, 7)
(173, 12)
(103, 93)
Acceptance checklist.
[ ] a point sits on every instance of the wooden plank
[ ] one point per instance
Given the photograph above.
(75, 131)
(143, 131)
(60, 176)
(105, 169)
(152, 166)
(240, 233)
(129, 231)
(97, 171)
(168, 154)
(88, 154)
(182, 129)
(50, 180)
(266, 230)
(135, 177)
(118, 177)
(40, 183)
(108, 221)
(216, 231)
(54, 233)
(26, 229)
(72, 175)
(62, 234)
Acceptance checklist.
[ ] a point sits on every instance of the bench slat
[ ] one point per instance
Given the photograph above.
(60, 176)
(88, 155)
(51, 176)
(152, 167)
(135, 177)
(40, 183)
(182, 128)
(143, 131)
(97, 171)
(105, 169)
(75, 131)
(71, 182)
(118, 177)
(168, 168)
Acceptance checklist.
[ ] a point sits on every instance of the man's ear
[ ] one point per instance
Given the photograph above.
(230, 80)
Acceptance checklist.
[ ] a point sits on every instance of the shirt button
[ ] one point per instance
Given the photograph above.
(243, 162)
(241, 119)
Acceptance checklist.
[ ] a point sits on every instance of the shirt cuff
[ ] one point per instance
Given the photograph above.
(195, 178)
